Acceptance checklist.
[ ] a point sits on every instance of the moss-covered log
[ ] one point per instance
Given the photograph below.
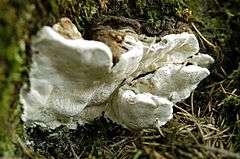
(210, 130)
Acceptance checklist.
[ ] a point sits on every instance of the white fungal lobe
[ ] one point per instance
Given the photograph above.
(73, 80)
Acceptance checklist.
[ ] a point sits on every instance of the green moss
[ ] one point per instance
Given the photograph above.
(81, 12)
(235, 76)
(11, 33)
(219, 23)
(230, 114)
(231, 110)
(141, 4)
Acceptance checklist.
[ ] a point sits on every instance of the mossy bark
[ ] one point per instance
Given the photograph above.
(218, 21)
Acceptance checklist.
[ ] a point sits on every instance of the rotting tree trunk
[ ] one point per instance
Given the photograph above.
(19, 20)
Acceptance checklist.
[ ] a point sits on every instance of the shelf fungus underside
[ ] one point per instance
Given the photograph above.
(73, 80)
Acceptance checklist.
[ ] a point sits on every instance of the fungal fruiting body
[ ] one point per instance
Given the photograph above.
(73, 80)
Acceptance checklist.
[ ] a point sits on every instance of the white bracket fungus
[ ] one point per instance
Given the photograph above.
(73, 80)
